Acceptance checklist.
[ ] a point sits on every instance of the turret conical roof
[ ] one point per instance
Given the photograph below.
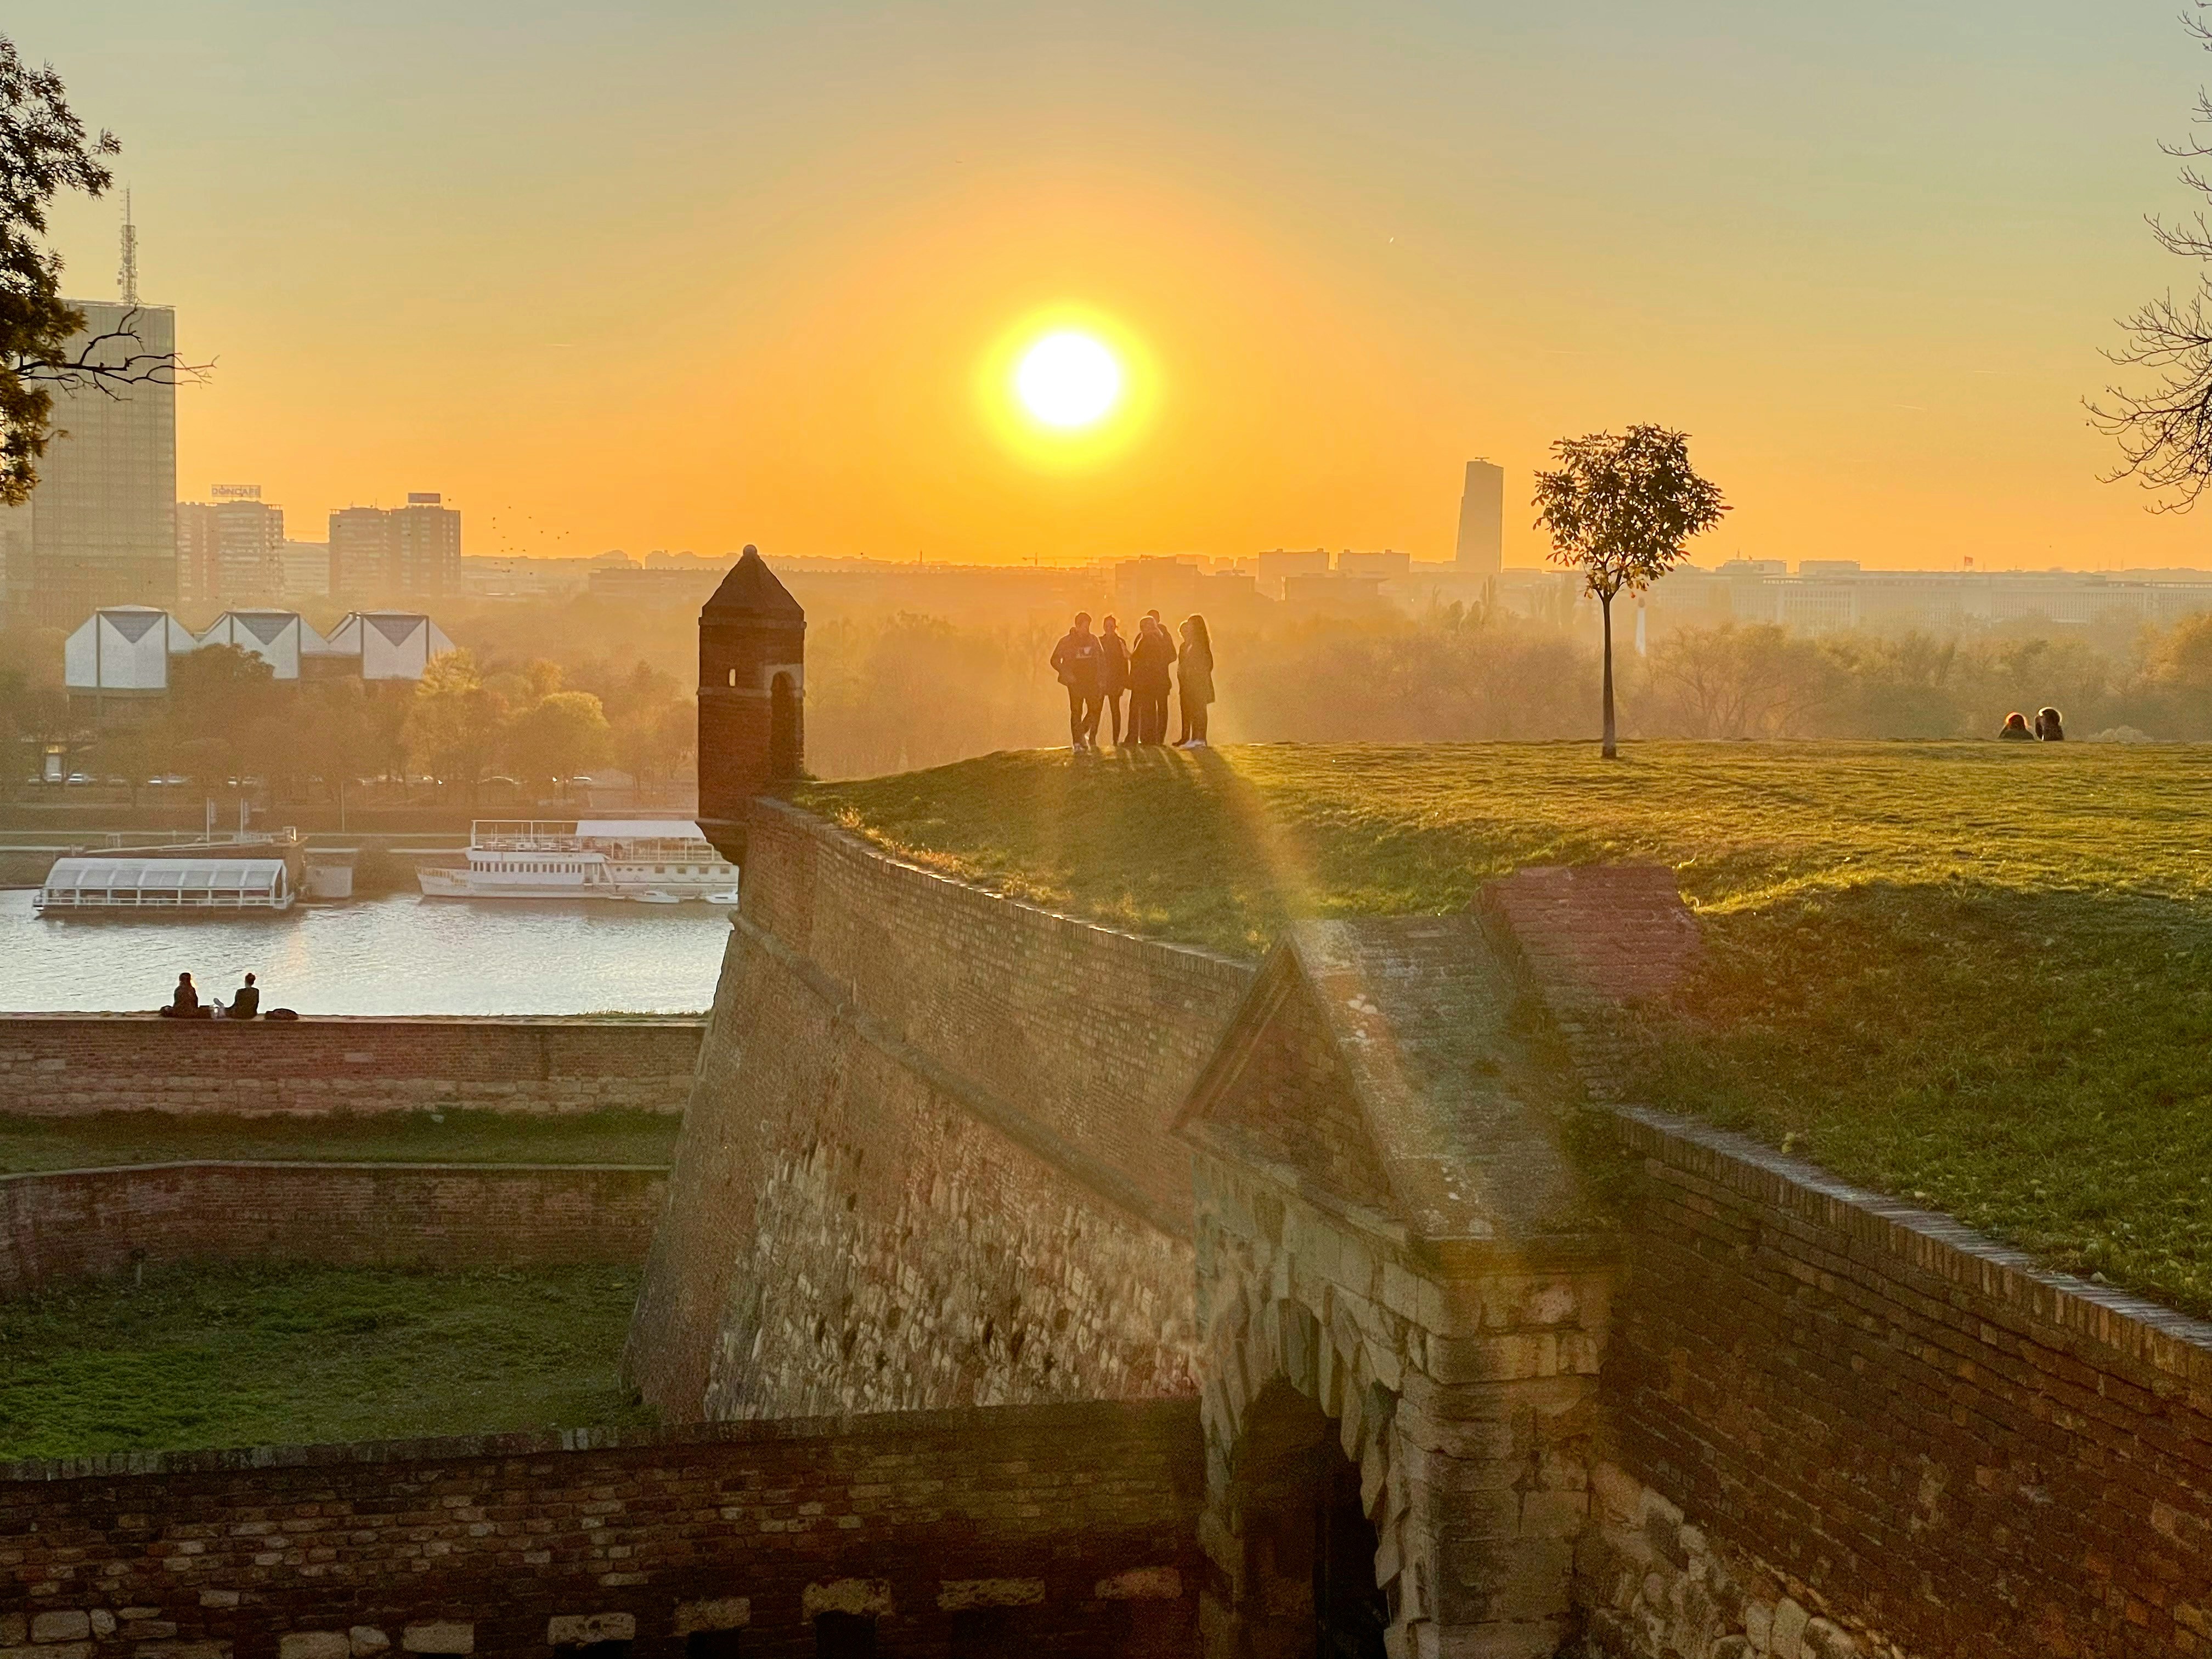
(751, 589)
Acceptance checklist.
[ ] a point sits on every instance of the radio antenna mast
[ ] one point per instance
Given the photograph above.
(128, 277)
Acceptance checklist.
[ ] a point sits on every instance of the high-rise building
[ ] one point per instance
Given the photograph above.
(361, 544)
(102, 521)
(425, 547)
(199, 552)
(230, 549)
(1482, 519)
(252, 554)
(405, 552)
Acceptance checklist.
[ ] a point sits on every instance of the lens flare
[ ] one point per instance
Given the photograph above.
(1068, 378)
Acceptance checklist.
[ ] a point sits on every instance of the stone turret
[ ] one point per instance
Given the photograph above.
(752, 685)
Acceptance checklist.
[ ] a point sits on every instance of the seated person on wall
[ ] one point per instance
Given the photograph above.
(247, 1004)
(185, 1004)
(2015, 729)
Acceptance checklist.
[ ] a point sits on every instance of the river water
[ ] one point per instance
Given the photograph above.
(404, 954)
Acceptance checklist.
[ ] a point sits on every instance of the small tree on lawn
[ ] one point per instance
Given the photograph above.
(1619, 509)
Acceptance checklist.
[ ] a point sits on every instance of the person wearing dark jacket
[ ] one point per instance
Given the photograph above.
(1113, 677)
(1077, 661)
(1151, 655)
(2048, 727)
(2015, 729)
(247, 1004)
(185, 1004)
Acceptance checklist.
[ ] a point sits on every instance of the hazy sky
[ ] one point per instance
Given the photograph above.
(690, 274)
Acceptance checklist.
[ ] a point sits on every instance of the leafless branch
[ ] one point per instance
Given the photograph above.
(105, 362)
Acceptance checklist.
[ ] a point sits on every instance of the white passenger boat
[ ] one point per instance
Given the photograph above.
(164, 886)
(660, 860)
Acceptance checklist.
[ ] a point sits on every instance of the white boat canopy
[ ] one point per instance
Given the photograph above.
(166, 883)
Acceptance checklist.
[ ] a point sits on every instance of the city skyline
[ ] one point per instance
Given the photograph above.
(1879, 344)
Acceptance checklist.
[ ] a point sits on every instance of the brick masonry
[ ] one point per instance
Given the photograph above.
(928, 1160)
(1061, 1529)
(1913, 1436)
(81, 1222)
(63, 1065)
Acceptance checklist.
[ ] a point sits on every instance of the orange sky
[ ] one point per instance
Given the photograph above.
(687, 275)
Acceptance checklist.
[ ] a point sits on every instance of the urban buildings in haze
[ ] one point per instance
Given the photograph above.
(100, 527)
(230, 549)
(1482, 520)
(402, 552)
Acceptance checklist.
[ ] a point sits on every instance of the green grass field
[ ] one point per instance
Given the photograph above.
(29, 1144)
(1971, 973)
(222, 1356)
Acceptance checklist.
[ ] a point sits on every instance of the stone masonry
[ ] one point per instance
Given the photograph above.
(66, 1065)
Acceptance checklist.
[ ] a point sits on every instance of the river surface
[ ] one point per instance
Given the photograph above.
(404, 955)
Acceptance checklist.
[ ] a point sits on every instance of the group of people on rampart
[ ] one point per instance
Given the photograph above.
(1099, 669)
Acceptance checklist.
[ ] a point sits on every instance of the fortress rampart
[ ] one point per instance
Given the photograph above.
(74, 1223)
(1062, 1529)
(64, 1065)
(928, 1162)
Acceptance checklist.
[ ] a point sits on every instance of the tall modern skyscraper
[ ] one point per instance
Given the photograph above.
(1482, 519)
(102, 522)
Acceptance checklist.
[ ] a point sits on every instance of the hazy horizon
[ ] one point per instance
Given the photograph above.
(705, 276)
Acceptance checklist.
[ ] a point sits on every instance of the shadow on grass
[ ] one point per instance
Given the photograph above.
(2029, 1061)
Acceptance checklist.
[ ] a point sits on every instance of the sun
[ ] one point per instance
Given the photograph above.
(1068, 379)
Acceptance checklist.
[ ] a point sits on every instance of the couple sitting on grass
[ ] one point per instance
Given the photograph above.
(185, 1004)
(1097, 668)
(2047, 728)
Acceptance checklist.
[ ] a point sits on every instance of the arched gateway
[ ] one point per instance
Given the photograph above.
(1401, 1293)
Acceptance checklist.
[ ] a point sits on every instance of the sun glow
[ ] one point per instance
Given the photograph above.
(1068, 388)
(1068, 378)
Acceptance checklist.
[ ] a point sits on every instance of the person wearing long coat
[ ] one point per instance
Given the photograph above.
(1194, 678)
(1151, 655)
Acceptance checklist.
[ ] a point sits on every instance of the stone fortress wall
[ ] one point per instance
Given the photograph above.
(67, 1065)
(1062, 1529)
(74, 1223)
(927, 1163)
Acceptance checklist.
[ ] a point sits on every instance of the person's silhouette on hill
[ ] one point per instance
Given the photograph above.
(1078, 661)
(2047, 726)
(2015, 729)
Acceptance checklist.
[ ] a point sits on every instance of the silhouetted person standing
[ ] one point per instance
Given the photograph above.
(1151, 656)
(247, 1004)
(1077, 661)
(1113, 676)
(185, 1004)
(1194, 679)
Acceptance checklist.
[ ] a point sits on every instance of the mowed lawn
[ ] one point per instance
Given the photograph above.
(1977, 974)
(243, 1356)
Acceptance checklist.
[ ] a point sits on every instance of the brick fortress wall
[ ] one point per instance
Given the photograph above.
(1839, 1424)
(61, 1065)
(81, 1222)
(1056, 1529)
(927, 1163)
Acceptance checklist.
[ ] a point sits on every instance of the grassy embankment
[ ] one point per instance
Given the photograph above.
(455, 1137)
(1971, 973)
(255, 1356)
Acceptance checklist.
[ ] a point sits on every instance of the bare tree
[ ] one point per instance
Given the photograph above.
(44, 345)
(2163, 422)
